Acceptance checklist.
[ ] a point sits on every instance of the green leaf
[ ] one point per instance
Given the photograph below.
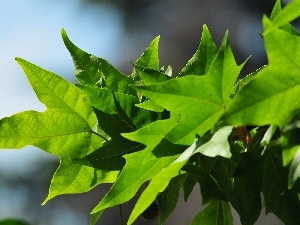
(109, 156)
(247, 187)
(245, 80)
(201, 61)
(154, 137)
(291, 148)
(288, 14)
(221, 171)
(181, 101)
(238, 178)
(210, 191)
(289, 154)
(218, 145)
(294, 172)
(188, 186)
(91, 70)
(277, 10)
(95, 217)
(200, 110)
(150, 56)
(13, 222)
(150, 76)
(224, 64)
(169, 197)
(267, 137)
(278, 199)
(169, 71)
(159, 182)
(73, 178)
(216, 213)
(149, 105)
(277, 83)
(128, 181)
(64, 129)
(148, 59)
(116, 113)
(290, 141)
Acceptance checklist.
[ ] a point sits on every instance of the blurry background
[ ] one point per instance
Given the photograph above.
(118, 31)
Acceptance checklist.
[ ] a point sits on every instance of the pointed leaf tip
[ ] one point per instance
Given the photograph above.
(63, 32)
(21, 61)
(65, 37)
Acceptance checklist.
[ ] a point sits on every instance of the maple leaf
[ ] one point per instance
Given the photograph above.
(65, 129)
(202, 104)
(91, 70)
(162, 147)
(260, 102)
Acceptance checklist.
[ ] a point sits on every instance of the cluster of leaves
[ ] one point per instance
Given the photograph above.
(237, 139)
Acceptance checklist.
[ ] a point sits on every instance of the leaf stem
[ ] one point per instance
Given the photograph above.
(121, 214)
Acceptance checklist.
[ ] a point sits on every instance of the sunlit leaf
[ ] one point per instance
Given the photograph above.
(245, 80)
(200, 105)
(149, 59)
(286, 15)
(260, 101)
(149, 105)
(218, 144)
(116, 113)
(91, 70)
(128, 181)
(150, 56)
(151, 76)
(65, 129)
(160, 182)
(73, 178)
(287, 26)
(153, 133)
(201, 61)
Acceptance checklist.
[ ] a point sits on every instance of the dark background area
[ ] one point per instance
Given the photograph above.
(179, 23)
